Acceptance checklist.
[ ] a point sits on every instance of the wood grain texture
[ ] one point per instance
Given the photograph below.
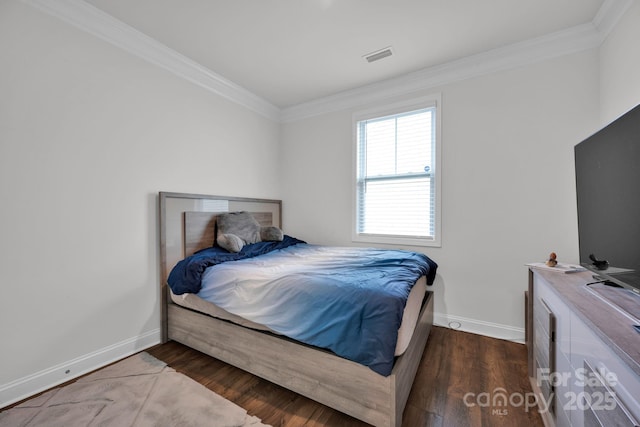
(610, 325)
(336, 382)
(616, 415)
(528, 329)
(341, 384)
(529, 323)
(625, 299)
(545, 349)
(199, 231)
(454, 363)
(171, 214)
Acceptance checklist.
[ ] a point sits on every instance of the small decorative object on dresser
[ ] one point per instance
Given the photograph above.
(552, 261)
(558, 267)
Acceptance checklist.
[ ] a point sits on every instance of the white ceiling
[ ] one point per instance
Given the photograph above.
(289, 52)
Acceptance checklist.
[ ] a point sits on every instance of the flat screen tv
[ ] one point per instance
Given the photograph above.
(608, 199)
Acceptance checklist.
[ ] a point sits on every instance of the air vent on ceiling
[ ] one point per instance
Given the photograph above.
(378, 54)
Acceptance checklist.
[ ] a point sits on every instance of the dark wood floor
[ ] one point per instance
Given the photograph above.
(460, 382)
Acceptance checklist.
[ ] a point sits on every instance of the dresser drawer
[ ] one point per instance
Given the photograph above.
(544, 350)
(542, 315)
(601, 404)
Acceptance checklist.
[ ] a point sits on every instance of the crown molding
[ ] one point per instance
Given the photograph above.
(550, 46)
(88, 18)
(609, 15)
(573, 40)
(565, 42)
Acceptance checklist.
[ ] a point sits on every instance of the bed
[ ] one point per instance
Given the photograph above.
(187, 224)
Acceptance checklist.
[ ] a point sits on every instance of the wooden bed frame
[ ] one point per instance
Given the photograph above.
(187, 224)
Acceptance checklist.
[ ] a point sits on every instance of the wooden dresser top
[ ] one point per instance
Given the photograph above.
(605, 320)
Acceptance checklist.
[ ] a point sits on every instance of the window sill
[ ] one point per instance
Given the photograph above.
(396, 240)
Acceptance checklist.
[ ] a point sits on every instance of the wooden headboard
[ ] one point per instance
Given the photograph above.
(187, 224)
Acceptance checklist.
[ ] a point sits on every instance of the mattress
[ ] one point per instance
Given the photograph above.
(349, 300)
(409, 318)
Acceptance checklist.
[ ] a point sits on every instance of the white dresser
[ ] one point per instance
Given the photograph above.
(584, 354)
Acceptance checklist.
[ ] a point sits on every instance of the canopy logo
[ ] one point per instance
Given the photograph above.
(499, 400)
(584, 389)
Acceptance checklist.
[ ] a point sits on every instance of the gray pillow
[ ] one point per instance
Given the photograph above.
(271, 234)
(236, 229)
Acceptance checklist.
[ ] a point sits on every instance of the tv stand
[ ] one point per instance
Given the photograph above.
(584, 354)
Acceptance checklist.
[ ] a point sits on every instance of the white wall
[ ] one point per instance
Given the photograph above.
(89, 134)
(620, 67)
(508, 183)
(508, 193)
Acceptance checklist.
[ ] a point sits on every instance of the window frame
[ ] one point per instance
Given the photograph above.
(430, 101)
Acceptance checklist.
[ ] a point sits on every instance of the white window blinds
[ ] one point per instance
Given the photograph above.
(395, 177)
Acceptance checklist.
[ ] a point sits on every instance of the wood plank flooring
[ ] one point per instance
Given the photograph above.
(459, 383)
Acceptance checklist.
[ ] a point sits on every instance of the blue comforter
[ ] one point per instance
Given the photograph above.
(347, 300)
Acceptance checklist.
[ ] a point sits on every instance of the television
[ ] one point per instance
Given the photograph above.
(607, 167)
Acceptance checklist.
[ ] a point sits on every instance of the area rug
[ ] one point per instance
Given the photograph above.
(138, 391)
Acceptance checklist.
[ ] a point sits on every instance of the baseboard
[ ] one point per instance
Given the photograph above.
(494, 330)
(30, 385)
(27, 386)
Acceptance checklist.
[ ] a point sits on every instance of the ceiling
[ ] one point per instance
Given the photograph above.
(290, 52)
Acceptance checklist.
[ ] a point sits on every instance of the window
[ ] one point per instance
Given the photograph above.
(396, 198)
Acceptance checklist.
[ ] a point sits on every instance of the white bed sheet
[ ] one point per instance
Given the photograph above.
(408, 325)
